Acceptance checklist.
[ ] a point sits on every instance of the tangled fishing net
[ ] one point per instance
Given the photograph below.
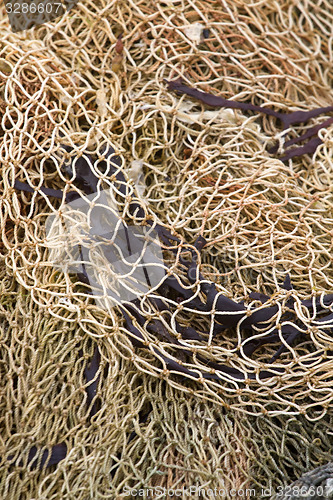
(219, 375)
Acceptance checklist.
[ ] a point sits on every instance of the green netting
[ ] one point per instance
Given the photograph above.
(195, 171)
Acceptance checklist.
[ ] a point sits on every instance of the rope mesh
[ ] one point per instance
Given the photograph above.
(195, 172)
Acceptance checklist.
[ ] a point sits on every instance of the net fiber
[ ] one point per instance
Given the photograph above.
(78, 389)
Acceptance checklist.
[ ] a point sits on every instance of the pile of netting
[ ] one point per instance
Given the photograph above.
(219, 375)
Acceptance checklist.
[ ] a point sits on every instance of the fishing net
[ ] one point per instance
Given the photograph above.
(218, 376)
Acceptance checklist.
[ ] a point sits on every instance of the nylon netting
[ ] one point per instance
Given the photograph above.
(167, 412)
